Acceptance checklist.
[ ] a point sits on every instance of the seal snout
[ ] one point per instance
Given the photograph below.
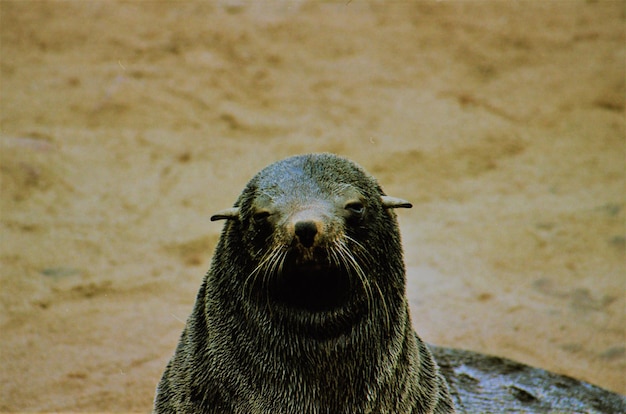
(305, 232)
(307, 228)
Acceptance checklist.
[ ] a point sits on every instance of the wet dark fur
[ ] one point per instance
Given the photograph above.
(283, 326)
(482, 383)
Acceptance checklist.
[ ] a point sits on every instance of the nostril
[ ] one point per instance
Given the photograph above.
(306, 231)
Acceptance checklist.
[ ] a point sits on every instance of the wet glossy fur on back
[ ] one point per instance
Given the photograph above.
(304, 309)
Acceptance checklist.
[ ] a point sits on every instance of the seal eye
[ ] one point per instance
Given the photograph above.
(355, 207)
(260, 216)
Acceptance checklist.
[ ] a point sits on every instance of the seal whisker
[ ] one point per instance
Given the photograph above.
(338, 256)
(251, 279)
(332, 254)
(350, 264)
(366, 281)
(274, 271)
(384, 303)
(362, 252)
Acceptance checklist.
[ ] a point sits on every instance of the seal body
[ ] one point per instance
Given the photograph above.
(481, 383)
(304, 310)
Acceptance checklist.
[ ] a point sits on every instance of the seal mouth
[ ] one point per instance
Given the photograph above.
(313, 286)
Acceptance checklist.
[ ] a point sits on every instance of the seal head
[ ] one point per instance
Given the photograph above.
(304, 307)
(307, 224)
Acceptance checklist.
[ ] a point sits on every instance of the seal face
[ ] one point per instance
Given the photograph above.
(304, 308)
(309, 256)
(305, 244)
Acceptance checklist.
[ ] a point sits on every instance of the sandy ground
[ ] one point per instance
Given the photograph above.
(125, 125)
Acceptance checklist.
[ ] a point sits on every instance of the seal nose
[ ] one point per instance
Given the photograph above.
(306, 231)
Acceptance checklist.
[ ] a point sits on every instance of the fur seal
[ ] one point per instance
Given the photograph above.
(303, 310)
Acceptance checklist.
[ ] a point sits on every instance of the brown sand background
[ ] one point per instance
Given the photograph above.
(125, 125)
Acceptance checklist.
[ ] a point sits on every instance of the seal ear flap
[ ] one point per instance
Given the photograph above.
(393, 202)
(228, 214)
